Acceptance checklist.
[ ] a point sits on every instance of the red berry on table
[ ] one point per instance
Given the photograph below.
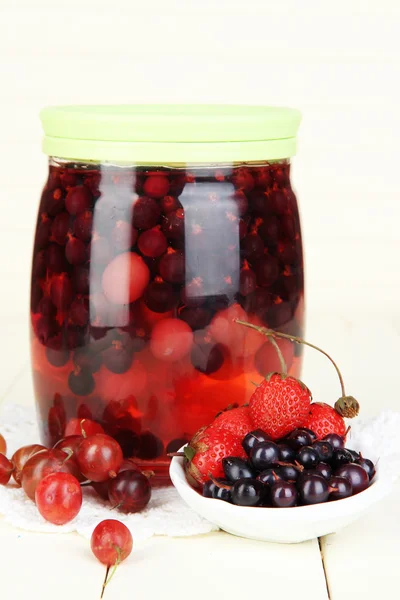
(125, 278)
(42, 464)
(99, 457)
(171, 340)
(323, 420)
(279, 405)
(6, 469)
(59, 498)
(156, 186)
(3, 445)
(205, 453)
(78, 200)
(236, 420)
(21, 457)
(82, 427)
(130, 491)
(111, 542)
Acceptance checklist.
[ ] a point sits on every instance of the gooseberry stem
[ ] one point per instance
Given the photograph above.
(270, 333)
(115, 566)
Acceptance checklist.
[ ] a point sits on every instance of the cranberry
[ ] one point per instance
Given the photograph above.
(80, 279)
(39, 265)
(258, 203)
(173, 225)
(156, 186)
(75, 251)
(61, 291)
(171, 340)
(45, 329)
(55, 259)
(288, 254)
(43, 232)
(60, 227)
(117, 358)
(243, 179)
(169, 204)
(241, 202)
(258, 301)
(79, 311)
(46, 307)
(279, 314)
(288, 226)
(81, 382)
(280, 174)
(146, 213)
(196, 318)
(172, 267)
(269, 231)
(87, 360)
(160, 296)
(68, 179)
(57, 358)
(150, 446)
(248, 281)
(266, 270)
(125, 278)
(152, 243)
(83, 225)
(78, 200)
(252, 246)
(207, 357)
(123, 236)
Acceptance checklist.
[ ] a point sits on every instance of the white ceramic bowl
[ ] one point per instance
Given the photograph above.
(283, 525)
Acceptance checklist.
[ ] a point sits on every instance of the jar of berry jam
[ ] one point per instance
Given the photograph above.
(158, 226)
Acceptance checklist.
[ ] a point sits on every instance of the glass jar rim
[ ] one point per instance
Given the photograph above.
(170, 133)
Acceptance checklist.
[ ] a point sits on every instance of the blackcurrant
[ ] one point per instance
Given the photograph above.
(308, 457)
(288, 454)
(335, 440)
(253, 438)
(264, 454)
(269, 476)
(288, 472)
(298, 438)
(324, 470)
(283, 494)
(341, 456)
(340, 487)
(313, 489)
(237, 468)
(248, 492)
(324, 450)
(356, 474)
(368, 466)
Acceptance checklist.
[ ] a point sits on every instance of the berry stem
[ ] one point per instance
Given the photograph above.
(104, 583)
(280, 355)
(270, 333)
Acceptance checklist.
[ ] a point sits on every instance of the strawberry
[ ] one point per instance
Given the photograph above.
(324, 419)
(235, 420)
(205, 452)
(279, 405)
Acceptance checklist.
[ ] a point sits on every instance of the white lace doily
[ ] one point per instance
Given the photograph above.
(166, 514)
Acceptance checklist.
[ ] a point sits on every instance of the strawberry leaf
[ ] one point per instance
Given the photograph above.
(189, 453)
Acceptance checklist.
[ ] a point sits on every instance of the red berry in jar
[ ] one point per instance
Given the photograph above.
(169, 204)
(117, 358)
(248, 281)
(125, 278)
(266, 270)
(61, 291)
(78, 200)
(266, 359)
(207, 357)
(60, 228)
(172, 267)
(173, 226)
(123, 235)
(75, 251)
(146, 213)
(83, 225)
(160, 296)
(252, 246)
(79, 311)
(59, 498)
(81, 382)
(152, 243)
(55, 259)
(171, 340)
(82, 427)
(225, 330)
(150, 446)
(156, 186)
(243, 179)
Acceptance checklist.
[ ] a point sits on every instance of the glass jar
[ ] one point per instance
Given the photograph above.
(157, 228)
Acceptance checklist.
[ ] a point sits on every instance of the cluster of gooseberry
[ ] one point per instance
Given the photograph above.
(140, 271)
(53, 477)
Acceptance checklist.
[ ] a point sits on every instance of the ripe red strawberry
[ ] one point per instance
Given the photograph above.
(235, 420)
(324, 419)
(279, 405)
(205, 452)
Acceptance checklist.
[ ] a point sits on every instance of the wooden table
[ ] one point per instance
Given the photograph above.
(360, 562)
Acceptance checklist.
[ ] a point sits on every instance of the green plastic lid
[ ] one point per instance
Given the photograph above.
(164, 134)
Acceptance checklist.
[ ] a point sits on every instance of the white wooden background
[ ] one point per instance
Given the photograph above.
(339, 63)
